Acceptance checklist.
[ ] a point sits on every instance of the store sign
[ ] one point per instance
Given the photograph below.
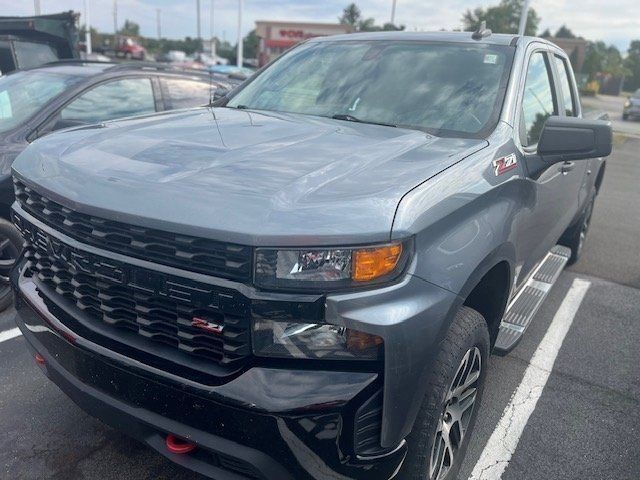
(296, 34)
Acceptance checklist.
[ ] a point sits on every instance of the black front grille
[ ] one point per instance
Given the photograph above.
(368, 426)
(159, 307)
(200, 255)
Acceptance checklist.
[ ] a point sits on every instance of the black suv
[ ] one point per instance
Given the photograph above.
(71, 93)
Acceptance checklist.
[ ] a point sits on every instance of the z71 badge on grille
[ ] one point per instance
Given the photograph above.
(207, 326)
(504, 164)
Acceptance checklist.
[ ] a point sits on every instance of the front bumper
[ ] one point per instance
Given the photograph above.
(632, 110)
(268, 423)
(276, 419)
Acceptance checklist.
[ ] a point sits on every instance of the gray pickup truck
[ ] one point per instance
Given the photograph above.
(305, 281)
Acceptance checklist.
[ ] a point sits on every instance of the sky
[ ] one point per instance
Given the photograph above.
(614, 21)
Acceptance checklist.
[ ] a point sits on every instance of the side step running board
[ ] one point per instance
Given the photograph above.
(526, 303)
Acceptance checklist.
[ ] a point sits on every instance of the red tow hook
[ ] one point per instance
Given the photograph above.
(40, 359)
(178, 445)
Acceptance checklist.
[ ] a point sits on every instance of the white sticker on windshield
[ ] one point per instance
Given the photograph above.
(491, 58)
(5, 105)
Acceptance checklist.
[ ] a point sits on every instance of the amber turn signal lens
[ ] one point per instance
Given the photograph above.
(360, 341)
(372, 263)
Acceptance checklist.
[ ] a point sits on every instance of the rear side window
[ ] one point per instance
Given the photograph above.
(185, 93)
(6, 58)
(565, 84)
(538, 102)
(117, 99)
(31, 54)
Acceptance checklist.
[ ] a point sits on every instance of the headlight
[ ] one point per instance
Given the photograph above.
(313, 341)
(627, 104)
(330, 269)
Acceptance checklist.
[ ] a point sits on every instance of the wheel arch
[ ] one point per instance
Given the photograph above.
(488, 288)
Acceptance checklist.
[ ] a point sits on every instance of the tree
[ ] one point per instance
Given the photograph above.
(564, 32)
(368, 25)
(387, 27)
(632, 62)
(130, 29)
(502, 18)
(546, 34)
(602, 59)
(250, 44)
(351, 15)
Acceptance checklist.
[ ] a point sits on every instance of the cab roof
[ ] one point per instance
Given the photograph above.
(454, 37)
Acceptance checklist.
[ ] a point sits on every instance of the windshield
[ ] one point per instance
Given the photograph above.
(443, 88)
(22, 94)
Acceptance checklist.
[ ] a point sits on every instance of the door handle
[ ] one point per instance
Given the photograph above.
(566, 167)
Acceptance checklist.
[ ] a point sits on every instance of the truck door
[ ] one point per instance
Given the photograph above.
(556, 188)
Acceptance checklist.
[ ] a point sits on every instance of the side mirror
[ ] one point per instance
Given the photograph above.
(571, 138)
(219, 93)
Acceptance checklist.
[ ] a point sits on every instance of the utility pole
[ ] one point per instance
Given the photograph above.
(523, 17)
(212, 31)
(240, 45)
(393, 12)
(87, 23)
(115, 17)
(158, 23)
(36, 7)
(199, 33)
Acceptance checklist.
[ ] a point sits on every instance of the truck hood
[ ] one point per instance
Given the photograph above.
(241, 176)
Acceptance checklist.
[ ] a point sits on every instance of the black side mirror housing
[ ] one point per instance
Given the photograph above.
(571, 138)
(219, 93)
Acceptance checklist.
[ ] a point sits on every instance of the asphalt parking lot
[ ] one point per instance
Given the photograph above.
(579, 418)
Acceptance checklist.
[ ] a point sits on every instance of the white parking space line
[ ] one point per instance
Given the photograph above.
(503, 441)
(9, 334)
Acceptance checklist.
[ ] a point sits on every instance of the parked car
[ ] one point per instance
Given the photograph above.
(632, 106)
(231, 70)
(306, 281)
(27, 42)
(36, 102)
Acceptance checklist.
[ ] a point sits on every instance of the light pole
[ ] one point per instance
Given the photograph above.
(393, 12)
(158, 25)
(240, 46)
(115, 17)
(523, 17)
(36, 7)
(87, 23)
(198, 36)
(212, 30)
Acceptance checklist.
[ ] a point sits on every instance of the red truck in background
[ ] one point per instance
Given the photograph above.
(128, 48)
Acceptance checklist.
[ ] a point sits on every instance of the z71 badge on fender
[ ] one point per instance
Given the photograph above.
(504, 164)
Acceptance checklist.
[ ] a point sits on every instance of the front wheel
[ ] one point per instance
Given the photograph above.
(440, 436)
(10, 249)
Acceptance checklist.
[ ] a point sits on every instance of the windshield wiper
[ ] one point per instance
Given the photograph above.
(351, 118)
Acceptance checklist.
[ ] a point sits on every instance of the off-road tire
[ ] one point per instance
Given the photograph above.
(467, 331)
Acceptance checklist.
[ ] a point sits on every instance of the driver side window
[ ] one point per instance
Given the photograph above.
(538, 102)
(108, 101)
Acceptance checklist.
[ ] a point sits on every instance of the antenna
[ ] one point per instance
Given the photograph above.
(482, 32)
